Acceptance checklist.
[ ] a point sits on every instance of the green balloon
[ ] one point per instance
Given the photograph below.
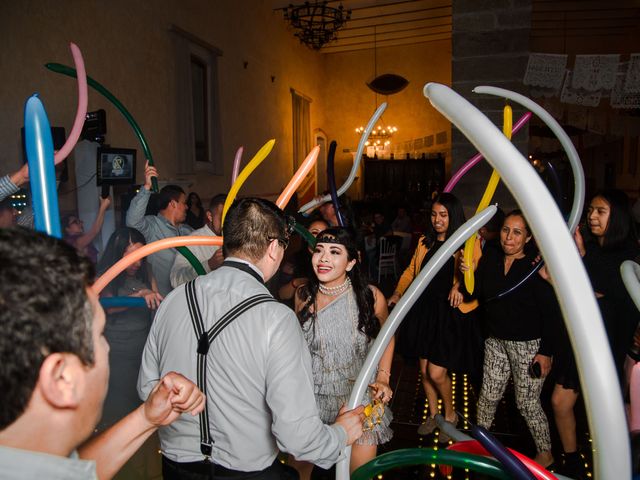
(191, 258)
(71, 72)
(304, 233)
(417, 456)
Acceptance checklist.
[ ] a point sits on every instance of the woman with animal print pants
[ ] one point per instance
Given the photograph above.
(520, 328)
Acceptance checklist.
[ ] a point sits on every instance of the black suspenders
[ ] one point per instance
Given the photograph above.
(205, 338)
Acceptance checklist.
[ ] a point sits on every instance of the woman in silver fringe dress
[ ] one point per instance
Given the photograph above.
(341, 315)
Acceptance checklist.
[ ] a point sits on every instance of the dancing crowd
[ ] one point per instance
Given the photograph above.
(275, 336)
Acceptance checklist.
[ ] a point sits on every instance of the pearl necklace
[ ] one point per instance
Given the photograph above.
(335, 291)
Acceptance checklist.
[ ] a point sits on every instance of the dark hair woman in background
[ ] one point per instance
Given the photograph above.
(435, 330)
(127, 328)
(609, 239)
(195, 211)
(520, 327)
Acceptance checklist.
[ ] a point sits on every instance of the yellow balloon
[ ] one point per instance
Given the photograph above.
(246, 171)
(469, 281)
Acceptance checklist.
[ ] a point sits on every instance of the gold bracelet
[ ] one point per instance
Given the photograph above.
(382, 370)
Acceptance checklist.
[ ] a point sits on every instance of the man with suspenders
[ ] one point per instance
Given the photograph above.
(247, 351)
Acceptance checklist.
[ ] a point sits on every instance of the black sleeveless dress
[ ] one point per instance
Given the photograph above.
(434, 330)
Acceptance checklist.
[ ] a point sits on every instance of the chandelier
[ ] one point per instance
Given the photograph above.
(380, 137)
(316, 22)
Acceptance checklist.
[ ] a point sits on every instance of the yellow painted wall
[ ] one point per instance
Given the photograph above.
(350, 103)
(127, 46)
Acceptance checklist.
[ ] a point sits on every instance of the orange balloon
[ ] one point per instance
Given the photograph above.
(152, 247)
(299, 176)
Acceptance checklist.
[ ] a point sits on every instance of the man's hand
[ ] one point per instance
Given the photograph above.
(20, 177)
(351, 421)
(216, 259)
(172, 396)
(149, 172)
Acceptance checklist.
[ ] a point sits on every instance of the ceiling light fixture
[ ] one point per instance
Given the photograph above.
(316, 22)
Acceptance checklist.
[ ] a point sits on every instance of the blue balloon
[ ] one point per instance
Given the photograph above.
(42, 172)
(129, 302)
(331, 178)
(510, 462)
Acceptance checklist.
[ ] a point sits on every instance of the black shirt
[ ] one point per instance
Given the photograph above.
(527, 313)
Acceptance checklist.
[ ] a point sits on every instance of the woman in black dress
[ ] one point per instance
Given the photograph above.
(609, 240)
(436, 330)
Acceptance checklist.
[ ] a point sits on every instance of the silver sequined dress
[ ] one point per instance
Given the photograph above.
(338, 350)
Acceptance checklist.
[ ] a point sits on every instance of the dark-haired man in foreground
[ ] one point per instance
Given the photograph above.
(54, 369)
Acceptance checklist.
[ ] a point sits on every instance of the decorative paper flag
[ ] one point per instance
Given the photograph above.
(545, 70)
(619, 99)
(578, 97)
(595, 72)
(632, 81)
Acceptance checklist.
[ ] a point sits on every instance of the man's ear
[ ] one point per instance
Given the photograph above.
(62, 380)
(209, 216)
(272, 249)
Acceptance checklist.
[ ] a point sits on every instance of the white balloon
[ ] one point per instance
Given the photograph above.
(603, 398)
(392, 323)
(630, 272)
(356, 161)
(565, 141)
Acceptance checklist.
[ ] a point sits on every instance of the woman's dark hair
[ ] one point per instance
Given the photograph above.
(456, 217)
(531, 247)
(368, 323)
(621, 230)
(193, 196)
(118, 243)
(518, 213)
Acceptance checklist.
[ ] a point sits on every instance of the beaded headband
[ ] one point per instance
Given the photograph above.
(326, 238)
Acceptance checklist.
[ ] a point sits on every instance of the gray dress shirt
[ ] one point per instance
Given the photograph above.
(155, 227)
(16, 464)
(259, 381)
(7, 187)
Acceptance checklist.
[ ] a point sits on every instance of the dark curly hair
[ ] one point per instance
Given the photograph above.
(368, 323)
(44, 309)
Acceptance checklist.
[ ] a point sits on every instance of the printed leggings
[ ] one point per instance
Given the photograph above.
(503, 358)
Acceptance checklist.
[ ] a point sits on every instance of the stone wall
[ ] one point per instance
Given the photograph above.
(490, 47)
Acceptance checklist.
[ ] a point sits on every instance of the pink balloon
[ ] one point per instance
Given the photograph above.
(236, 165)
(478, 156)
(81, 113)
